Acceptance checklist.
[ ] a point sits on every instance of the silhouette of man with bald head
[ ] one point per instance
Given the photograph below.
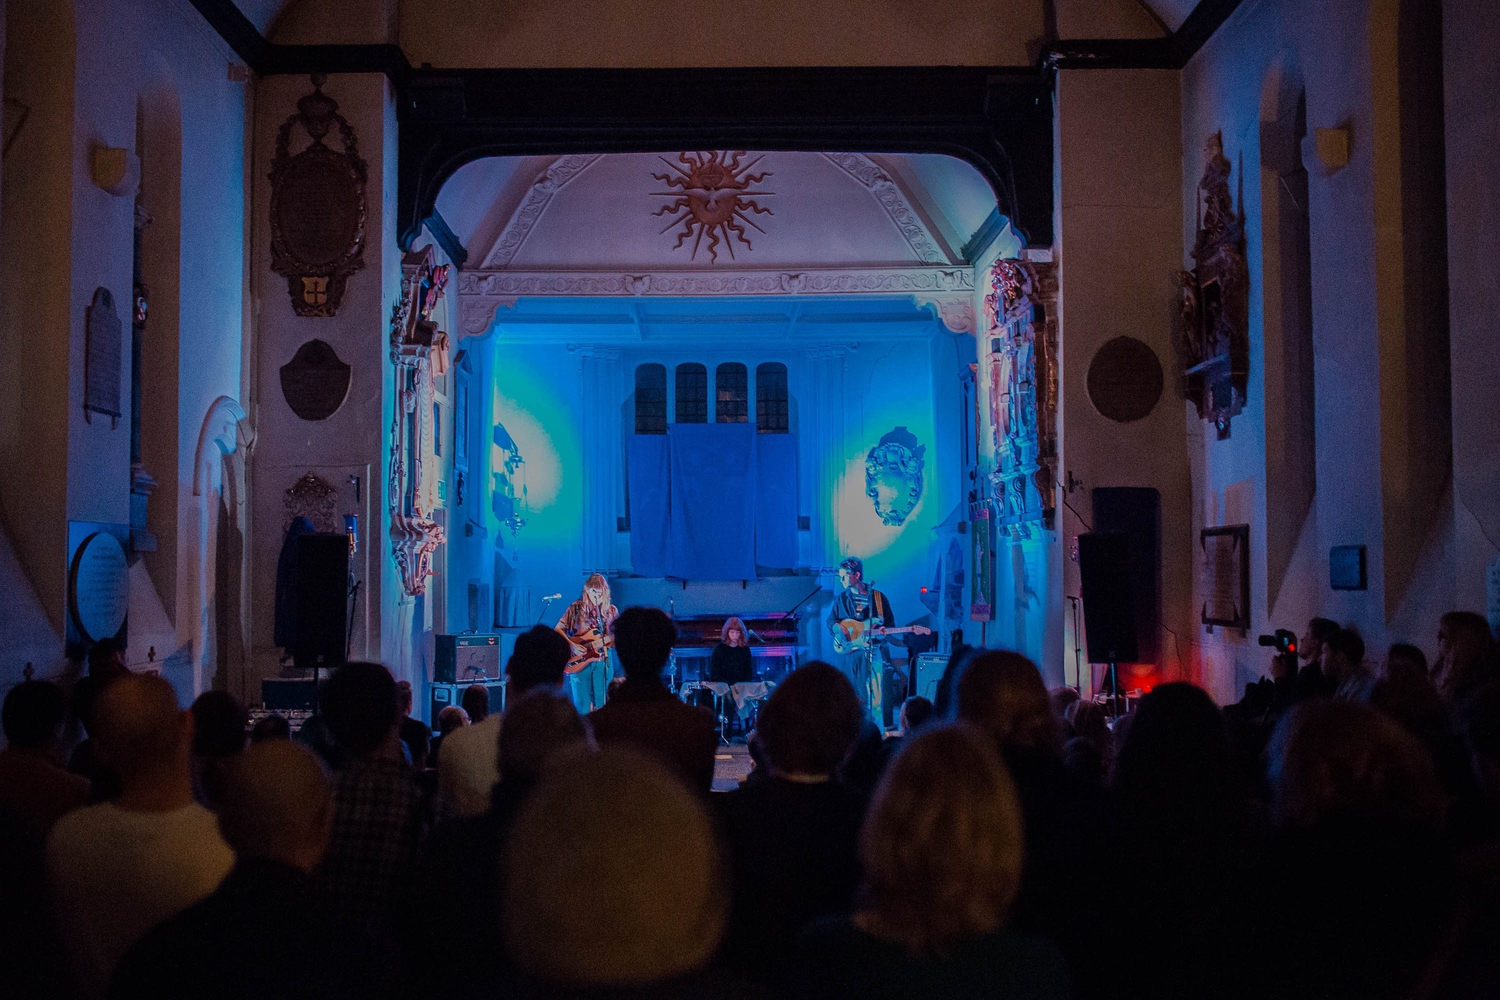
(119, 868)
(268, 931)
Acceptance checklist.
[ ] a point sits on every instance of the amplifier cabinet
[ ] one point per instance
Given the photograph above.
(468, 659)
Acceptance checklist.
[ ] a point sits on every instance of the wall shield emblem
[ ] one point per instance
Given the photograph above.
(317, 206)
(893, 475)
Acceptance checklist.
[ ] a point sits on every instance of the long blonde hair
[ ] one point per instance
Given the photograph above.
(942, 845)
(597, 580)
(734, 623)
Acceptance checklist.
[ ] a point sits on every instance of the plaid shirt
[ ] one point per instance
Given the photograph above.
(380, 820)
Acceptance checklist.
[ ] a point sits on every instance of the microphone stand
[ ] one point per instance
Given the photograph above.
(546, 603)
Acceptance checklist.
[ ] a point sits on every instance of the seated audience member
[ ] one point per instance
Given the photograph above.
(947, 690)
(1193, 847)
(1405, 693)
(35, 791)
(120, 868)
(461, 865)
(34, 786)
(415, 734)
(1466, 655)
(476, 702)
(380, 817)
(1310, 680)
(270, 727)
(644, 713)
(942, 853)
(1063, 698)
(1343, 663)
(614, 884)
(218, 734)
(1362, 891)
(451, 718)
(84, 761)
(1002, 694)
(916, 712)
(792, 838)
(1479, 727)
(468, 771)
(266, 933)
(107, 659)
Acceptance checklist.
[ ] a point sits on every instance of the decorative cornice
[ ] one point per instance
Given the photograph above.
(741, 281)
(950, 290)
(956, 311)
(893, 200)
(526, 215)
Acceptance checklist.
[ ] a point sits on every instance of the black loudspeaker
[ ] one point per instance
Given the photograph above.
(1108, 597)
(322, 600)
(1136, 511)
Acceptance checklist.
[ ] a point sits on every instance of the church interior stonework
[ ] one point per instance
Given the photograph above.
(1151, 343)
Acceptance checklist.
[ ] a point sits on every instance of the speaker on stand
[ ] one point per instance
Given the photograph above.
(322, 603)
(1105, 569)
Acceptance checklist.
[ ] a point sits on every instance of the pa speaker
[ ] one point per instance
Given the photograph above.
(322, 600)
(1108, 596)
(1136, 511)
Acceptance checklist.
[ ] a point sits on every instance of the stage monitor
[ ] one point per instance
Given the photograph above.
(467, 659)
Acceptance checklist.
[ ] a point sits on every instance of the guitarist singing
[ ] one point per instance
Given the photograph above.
(589, 626)
(866, 657)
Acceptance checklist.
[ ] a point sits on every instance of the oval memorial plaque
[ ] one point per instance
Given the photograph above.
(99, 587)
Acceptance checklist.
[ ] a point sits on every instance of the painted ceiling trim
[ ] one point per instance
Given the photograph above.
(893, 200)
(552, 180)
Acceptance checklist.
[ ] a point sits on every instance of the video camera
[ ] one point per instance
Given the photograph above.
(1284, 640)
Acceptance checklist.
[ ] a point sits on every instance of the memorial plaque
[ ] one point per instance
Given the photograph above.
(315, 382)
(99, 587)
(101, 366)
(317, 206)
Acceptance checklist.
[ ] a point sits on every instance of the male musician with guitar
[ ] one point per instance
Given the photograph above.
(858, 621)
(589, 626)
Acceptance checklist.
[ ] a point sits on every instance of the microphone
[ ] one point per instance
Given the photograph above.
(553, 597)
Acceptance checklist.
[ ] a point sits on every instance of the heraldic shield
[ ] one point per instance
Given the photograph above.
(893, 475)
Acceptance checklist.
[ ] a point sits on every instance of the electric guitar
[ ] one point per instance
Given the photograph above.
(855, 635)
(594, 649)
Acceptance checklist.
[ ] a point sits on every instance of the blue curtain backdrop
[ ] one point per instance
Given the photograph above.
(776, 500)
(650, 503)
(711, 501)
(712, 534)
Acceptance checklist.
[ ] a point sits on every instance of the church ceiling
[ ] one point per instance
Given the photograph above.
(715, 210)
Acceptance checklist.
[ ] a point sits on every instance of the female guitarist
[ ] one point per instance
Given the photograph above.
(589, 625)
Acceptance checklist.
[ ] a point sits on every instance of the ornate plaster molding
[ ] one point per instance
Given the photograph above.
(950, 290)
(495, 284)
(563, 170)
(956, 311)
(893, 200)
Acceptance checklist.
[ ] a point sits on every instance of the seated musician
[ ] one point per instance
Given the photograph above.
(868, 657)
(730, 661)
(589, 626)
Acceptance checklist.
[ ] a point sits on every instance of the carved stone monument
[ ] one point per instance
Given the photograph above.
(317, 207)
(1214, 341)
(419, 351)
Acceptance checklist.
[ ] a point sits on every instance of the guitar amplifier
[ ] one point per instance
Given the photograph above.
(930, 667)
(467, 659)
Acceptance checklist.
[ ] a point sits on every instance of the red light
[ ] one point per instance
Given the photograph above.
(924, 590)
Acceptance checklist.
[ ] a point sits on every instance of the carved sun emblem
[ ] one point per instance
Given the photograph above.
(713, 199)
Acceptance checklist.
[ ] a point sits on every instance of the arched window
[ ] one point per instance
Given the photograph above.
(651, 399)
(771, 398)
(692, 393)
(731, 393)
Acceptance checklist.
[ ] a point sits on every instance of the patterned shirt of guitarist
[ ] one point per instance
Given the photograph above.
(591, 613)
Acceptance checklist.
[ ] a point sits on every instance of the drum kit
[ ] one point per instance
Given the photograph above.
(745, 697)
